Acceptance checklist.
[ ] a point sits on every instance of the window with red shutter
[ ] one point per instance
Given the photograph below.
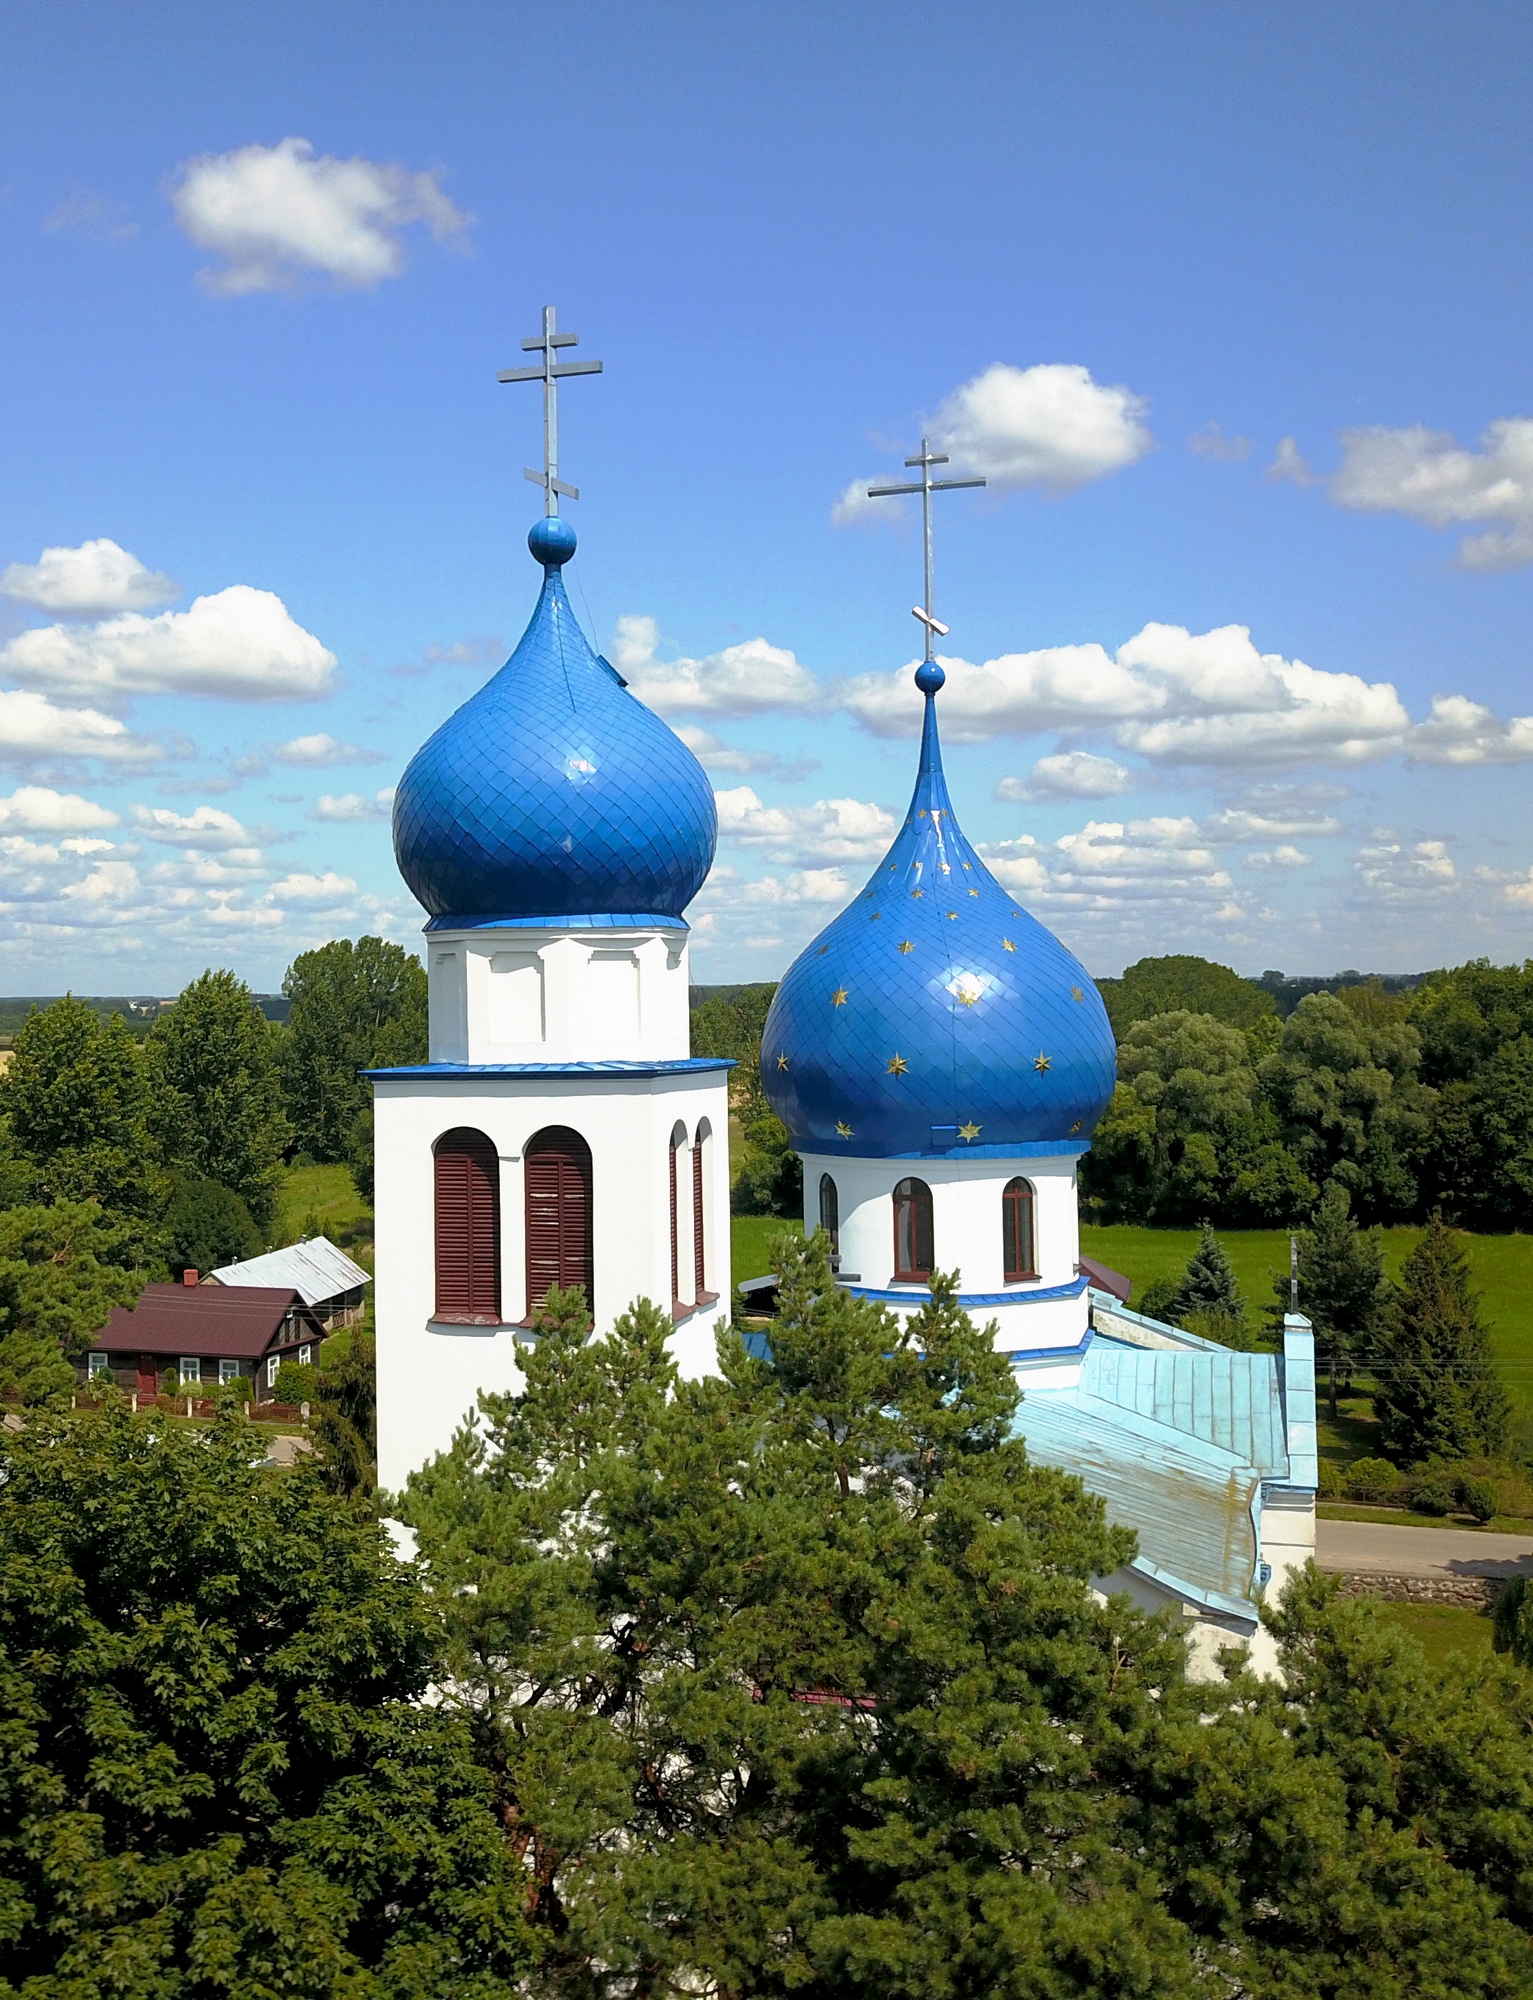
(677, 1138)
(1020, 1258)
(467, 1229)
(699, 1243)
(557, 1170)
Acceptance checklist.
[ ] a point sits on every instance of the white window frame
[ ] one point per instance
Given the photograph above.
(190, 1369)
(306, 1354)
(227, 1370)
(97, 1364)
(273, 1363)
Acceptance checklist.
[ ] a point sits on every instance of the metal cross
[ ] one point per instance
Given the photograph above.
(927, 487)
(549, 374)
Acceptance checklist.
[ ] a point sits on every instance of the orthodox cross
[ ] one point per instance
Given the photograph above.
(549, 373)
(926, 488)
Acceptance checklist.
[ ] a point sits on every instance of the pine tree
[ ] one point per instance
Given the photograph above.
(1438, 1394)
(1207, 1298)
(1342, 1287)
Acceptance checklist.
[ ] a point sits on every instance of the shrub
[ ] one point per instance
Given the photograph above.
(1434, 1493)
(297, 1382)
(1333, 1480)
(1372, 1478)
(1480, 1498)
(1227, 1329)
(1514, 1622)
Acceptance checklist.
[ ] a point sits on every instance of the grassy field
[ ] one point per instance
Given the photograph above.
(1443, 1629)
(1502, 1267)
(329, 1196)
(749, 1236)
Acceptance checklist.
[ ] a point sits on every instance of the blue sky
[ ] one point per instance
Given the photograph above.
(1229, 305)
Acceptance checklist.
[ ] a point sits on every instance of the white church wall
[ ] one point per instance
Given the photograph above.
(430, 1373)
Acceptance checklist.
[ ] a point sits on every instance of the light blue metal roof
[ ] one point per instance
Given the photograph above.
(1218, 1397)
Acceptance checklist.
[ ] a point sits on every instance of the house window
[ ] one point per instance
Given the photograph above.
(1018, 1251)
(191, 1368)
(913, 1231)
(96, 1364)
(305, 1354)
(557, 1165)
(830, 1213)
(467, 1229)
(678, 1140)
(702, 1152)
(228, 1371)
(273, 1362)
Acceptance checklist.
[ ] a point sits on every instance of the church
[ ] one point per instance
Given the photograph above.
(938, 1058)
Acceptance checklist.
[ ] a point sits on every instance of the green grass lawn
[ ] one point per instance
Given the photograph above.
(1443, 1629)
(329, 1195)
(748, 1239)
(1502, 1268)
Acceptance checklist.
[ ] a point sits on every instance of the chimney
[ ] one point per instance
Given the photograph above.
(188, 1277)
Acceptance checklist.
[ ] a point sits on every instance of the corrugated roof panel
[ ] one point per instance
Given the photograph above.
(315, 1269)
(1231, 1400)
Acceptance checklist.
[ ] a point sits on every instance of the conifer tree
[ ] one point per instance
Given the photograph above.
(1438, 1394)
(1207, 1299)
(1342, 1287)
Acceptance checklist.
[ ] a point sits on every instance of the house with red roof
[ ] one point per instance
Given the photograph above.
(207, 1334)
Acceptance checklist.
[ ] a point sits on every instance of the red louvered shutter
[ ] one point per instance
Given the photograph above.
(675, 1236)
(467, 1228)
(699, 1258)
(557, 1165)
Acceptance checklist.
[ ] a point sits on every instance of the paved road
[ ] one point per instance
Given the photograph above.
(1364, 1547)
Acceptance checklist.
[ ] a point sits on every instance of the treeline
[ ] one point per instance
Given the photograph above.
(768, 1177)
(125, 1159)
(791, 1679)
(1414, 1101)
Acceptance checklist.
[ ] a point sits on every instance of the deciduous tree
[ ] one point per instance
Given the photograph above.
(355, 1006)
(78, 1099)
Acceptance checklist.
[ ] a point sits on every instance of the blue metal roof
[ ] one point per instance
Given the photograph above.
(670, 1067)
(554, 789)
(1230, 1400)
(934, 1012)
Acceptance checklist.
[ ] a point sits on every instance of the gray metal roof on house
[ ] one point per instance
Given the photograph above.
(315, 1269)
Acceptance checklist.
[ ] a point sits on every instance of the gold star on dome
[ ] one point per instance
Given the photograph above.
(946, 867)
(874, 918)
(969, 1133)
(1007, 945)
(1041, 1062)
(897, 1066)
(906, 945)
(782, 1061)
(838, 998)
(822, 951)
(968, 864)
(922, 813)
(918, 893)
(974, 892)
(952, 916)
(1076, 1127)
(1076, 993)
(1016, 913)
(843, 1130)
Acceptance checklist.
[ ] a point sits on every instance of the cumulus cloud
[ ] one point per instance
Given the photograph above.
(1237, 823)
(754, 678)
(36, 809)
(1460, 731)
(323, 891)
(1278, 857)
(209, 828)
(276, 214)
(1398, 872)
(1169, 694)
(1070, 774)
(240, 643)
(1050, 426)
(1290, 463)
(718, 756)
(1430, 477)
(35, 731)
(1210, 442)
(88, 582)
(1520, 891)
(352, 807)
(94, 217)
(829, 831)
(320, 750)
(1109, 865)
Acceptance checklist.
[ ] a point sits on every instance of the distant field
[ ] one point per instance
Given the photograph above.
(330, 1195)
(748, 1239)
(1443, 1629)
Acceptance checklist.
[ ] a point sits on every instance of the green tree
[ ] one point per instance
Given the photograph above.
(343, 1412)
(63, 1267)
(1439, 1395)
(221, 1772)
(355, 1006)
(78, 1101)
(1182, 984)
(1345, 1086)
(207, 1226)
(217, 1103)
(1342, 1288)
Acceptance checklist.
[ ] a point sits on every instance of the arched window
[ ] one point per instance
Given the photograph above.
(678, 1140)
(1018, 1248)
(702, 1153)
(913, 1231)
(557, 1164)
(467, 1228)
(830, 1213)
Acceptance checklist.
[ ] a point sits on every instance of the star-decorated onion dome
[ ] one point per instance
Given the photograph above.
(553, 794)
(935, 1015)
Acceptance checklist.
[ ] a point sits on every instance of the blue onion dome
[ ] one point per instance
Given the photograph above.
(935, 1015)
(553, 794)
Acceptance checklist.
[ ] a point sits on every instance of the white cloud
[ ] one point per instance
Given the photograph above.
(209, 829)
(34, 730)
(1070, 774)
(352, 807)
(754, 678)
(1291, 464)
(1210, 442)
(39, 810)
(1520, 892)
(1108, 866)
(240, 643)
(324, 891)
(1398, 872)
(1050, 425)
(717, 756)
(1169, 694)
(88, 582)
(828, 832)
(1460, 731)
(1236, 823)
(276, 214)
(96, 218)
(1430, 477)
(320, 750)
(1278, 857)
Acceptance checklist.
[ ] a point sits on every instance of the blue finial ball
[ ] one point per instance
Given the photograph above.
(552, 541)
(929, 677)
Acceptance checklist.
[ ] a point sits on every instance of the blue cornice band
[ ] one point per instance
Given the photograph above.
(603, 920)
(679, 1066)
(1037, 1296)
